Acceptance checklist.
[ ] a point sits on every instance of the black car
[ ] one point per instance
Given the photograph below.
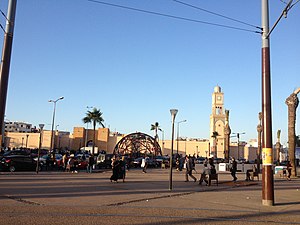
(18, 163)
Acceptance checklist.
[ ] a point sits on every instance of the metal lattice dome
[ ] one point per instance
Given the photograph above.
(136, 144)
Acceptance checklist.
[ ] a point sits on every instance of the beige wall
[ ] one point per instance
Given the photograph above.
(108, 142)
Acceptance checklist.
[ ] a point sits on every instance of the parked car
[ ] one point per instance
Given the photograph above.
(46, 161)
(18, 163)
(162, 159)
(104, 160)
(137, 162)
(218, 160)
(83, 161)
(200, 160)
(15, 152)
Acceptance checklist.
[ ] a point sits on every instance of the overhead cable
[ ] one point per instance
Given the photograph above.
(216, 14)
(172, 16)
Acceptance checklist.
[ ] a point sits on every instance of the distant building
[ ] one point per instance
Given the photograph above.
(20, 127)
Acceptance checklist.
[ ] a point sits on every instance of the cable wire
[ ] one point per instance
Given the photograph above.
(173, 17)
(217, 14)
(3, 14)
(2, 28)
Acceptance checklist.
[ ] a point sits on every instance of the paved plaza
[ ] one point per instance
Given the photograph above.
(64, 198)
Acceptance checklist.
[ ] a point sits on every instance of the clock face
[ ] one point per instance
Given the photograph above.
(219, 98)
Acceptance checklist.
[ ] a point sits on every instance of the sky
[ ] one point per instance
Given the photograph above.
(136, 66)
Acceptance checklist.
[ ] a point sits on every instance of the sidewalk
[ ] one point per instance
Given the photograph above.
(64, 198)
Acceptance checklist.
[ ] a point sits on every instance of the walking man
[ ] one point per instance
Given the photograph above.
(189, 169)
(233, 169)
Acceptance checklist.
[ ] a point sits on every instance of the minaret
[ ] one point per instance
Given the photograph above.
(217, 124)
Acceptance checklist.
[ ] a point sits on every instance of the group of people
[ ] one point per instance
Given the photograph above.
(118, 169)
(209, 168)
(70, 163)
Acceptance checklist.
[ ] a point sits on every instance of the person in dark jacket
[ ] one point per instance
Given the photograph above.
(91, 164)
(116, 167)
(189, 169)
(233, 169)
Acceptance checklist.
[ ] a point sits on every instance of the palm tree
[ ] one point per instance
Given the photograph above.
(292, 102)
(94, 116)
(156, 128)
(215, 135)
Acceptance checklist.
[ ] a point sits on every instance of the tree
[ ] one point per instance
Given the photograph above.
(94, 117)
(215, 135)
(156, 128)
(292, 102)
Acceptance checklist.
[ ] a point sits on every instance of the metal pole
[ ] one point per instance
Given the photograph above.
(5, 60)
(238, 146)
(52, 127)
(267, 153)
(183, 121)
(87, 127)
(39, 150)
(173, 113)
(177, 138)
(27, 135)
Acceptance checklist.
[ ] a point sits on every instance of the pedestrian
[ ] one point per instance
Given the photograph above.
(189, 169)
(91, 164)
(289, 169)
(144, 164)
(248, 172)
(204, 174)
(233, 169)
(211, 166)
(115, 169)
(123, 168)
(64, 161)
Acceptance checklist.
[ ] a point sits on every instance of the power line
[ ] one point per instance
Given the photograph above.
(173, 17)
(216, 14)
(3, 14)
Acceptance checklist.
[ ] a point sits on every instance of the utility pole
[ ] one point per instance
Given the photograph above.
(5, 60)
(267, 151)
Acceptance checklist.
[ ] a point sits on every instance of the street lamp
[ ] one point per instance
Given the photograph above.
(55, 136)
(267, 145)
(183, 121)
(173, 114)
(162, 138)
(238, 144)
(27, 135)
(86, 132)
(40, 146)
(53, 118)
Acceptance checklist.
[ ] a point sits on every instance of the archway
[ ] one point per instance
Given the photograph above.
(136, 144)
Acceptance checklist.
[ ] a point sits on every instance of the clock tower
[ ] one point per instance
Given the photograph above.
(217, 124)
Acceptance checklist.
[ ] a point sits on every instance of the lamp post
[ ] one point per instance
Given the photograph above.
(87, 127)
(183, 121)
(238, 144)
(39, 150)
(22, 141)
(173, 114)
(27, 135)
(6, 57)
(53, 118)
(267, 154)
(162, 138)
(55, 136)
